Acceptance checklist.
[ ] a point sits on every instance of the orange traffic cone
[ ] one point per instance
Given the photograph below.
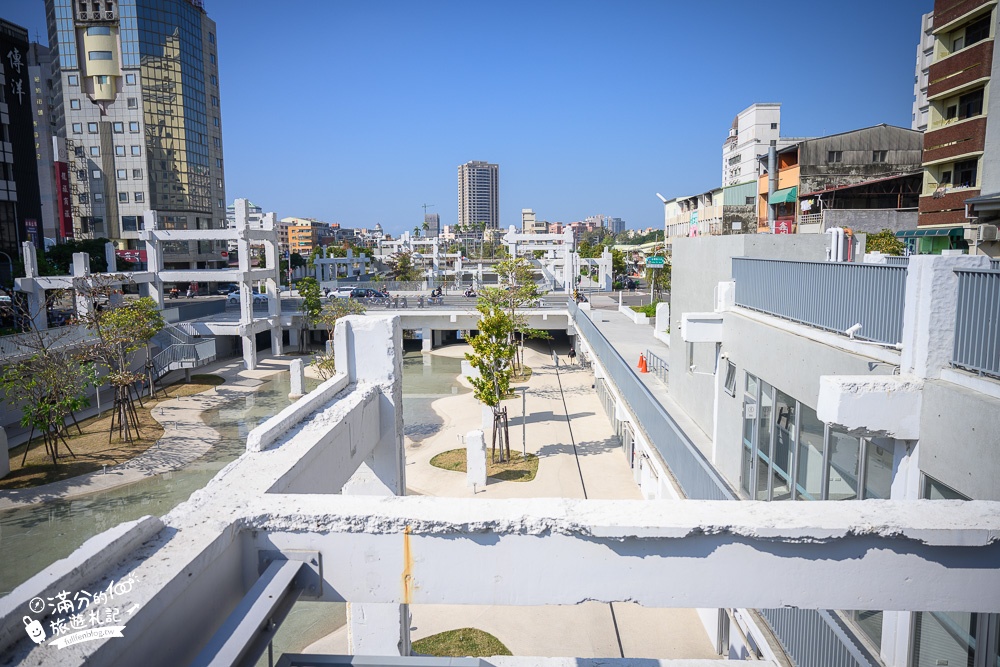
(643, 368)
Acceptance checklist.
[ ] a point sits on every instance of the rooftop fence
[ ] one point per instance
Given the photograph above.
(977, 321)
(834, 296)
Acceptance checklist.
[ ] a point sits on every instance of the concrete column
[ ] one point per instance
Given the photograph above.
(154, 258)
(81, 275)
(930, 310)
(475, 460)
(359, 344)
(37, 308)
(427, 339)
(249, 350)
(298, 372)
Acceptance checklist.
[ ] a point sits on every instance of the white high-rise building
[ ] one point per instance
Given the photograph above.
(478, 195)
(925, 55)
(754, 130)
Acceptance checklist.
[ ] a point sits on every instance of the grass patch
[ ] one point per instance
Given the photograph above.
(464, 642)
(649, 310)
(92, 449)
(523, 376)
(515, 470)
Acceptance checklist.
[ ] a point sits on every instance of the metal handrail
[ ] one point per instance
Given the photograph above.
(977, 321)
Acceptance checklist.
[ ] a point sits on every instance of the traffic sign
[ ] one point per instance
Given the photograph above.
(655, 261)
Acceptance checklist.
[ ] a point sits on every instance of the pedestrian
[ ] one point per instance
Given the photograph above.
(572, 355)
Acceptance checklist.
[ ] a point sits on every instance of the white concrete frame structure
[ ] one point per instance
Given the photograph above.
(328, 269)
(427, 253)
(243, 275)
(277, 507)
(561, 262)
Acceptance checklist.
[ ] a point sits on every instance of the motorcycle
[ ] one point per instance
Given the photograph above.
(471, 292)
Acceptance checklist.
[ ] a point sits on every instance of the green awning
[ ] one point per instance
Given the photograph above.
(940, 231)
(784, 196)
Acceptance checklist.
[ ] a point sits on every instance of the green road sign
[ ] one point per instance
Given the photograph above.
(655, 261)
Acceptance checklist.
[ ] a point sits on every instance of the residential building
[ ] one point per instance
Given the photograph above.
(754, 130)
(432, 224)
(141, 112)
(20, 203)
(304, 234)
(697, 215)
(925, 55)
(530, 224)
(616, 225)
(479, 195)
(871, 169)
(958, 166)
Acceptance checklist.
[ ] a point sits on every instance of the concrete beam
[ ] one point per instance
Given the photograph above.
(891, 555)
(872, 404)
(164, 235)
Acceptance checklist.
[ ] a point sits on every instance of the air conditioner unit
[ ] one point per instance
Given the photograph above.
(987, 233)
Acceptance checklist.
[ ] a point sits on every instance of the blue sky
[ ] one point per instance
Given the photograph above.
(359, 112)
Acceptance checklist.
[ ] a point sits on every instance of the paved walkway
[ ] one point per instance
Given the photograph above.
(597, 469)
(185, 436)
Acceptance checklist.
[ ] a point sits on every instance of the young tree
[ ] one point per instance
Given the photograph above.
(401, 267)
(312, 306)
(517, 289)
(121, 331)
(492, 353)
(333, 311)
(885, 242)
(659, 281)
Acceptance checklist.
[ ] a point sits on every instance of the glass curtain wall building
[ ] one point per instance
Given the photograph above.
(140, 108)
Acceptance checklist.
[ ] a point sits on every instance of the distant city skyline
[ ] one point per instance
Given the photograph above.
(579, 127)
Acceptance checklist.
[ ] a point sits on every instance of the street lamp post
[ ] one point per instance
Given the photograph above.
(524, 422)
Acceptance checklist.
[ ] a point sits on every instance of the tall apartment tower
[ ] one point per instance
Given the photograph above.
(925, 55)
(141, 114)
(20, 204)
(433, 225)
(478, 195)
(957, 165)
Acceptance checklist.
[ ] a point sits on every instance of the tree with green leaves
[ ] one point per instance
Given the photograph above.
(516, 290)
(312, 307)
(50, 381)
(659, 281)
(493, 351)
(402, 267)
(885, 242)
(121, 331)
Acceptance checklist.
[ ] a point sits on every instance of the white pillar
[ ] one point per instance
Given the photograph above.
(427, 339)
(154, 258)
(81, 276)
(475, 460)
(298, 372)
(37, 308)
(249, 349)
(360, 352)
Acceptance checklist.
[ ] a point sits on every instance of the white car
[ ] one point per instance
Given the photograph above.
(234, 297)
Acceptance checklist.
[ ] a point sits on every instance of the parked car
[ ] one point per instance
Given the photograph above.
(226, 290)
(365, 293)
(234, 298)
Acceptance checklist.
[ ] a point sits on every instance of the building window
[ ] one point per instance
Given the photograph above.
(835, 156)
(98, 196)
(92, 128)
(120, 151)
(123, 197)
(730, 385)
(99, 55)
(95, 151)
(880, 156)
(99, 30)
(213, 79)
(130, 223)
(222, 204)
(122, 174)
(211, 58)
(132, 102)
(81, 175)
(966, 173)
(749, 201)
(79, 149)
(970, 104)
(218, 162)
(74, 104)
(136, 151)
(137, 174)
(218, 182)
(84, 198)
(73, 80)
(77, 128)
(139, 197)
(774, 126)
(215, 101)
(118, 127)
(133, 127)
(215, 121)
(96, 173)
(977, 31)
(217, 141)
(130, 79)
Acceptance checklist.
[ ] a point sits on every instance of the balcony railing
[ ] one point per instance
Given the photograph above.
(977, 321)
(834, 296)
